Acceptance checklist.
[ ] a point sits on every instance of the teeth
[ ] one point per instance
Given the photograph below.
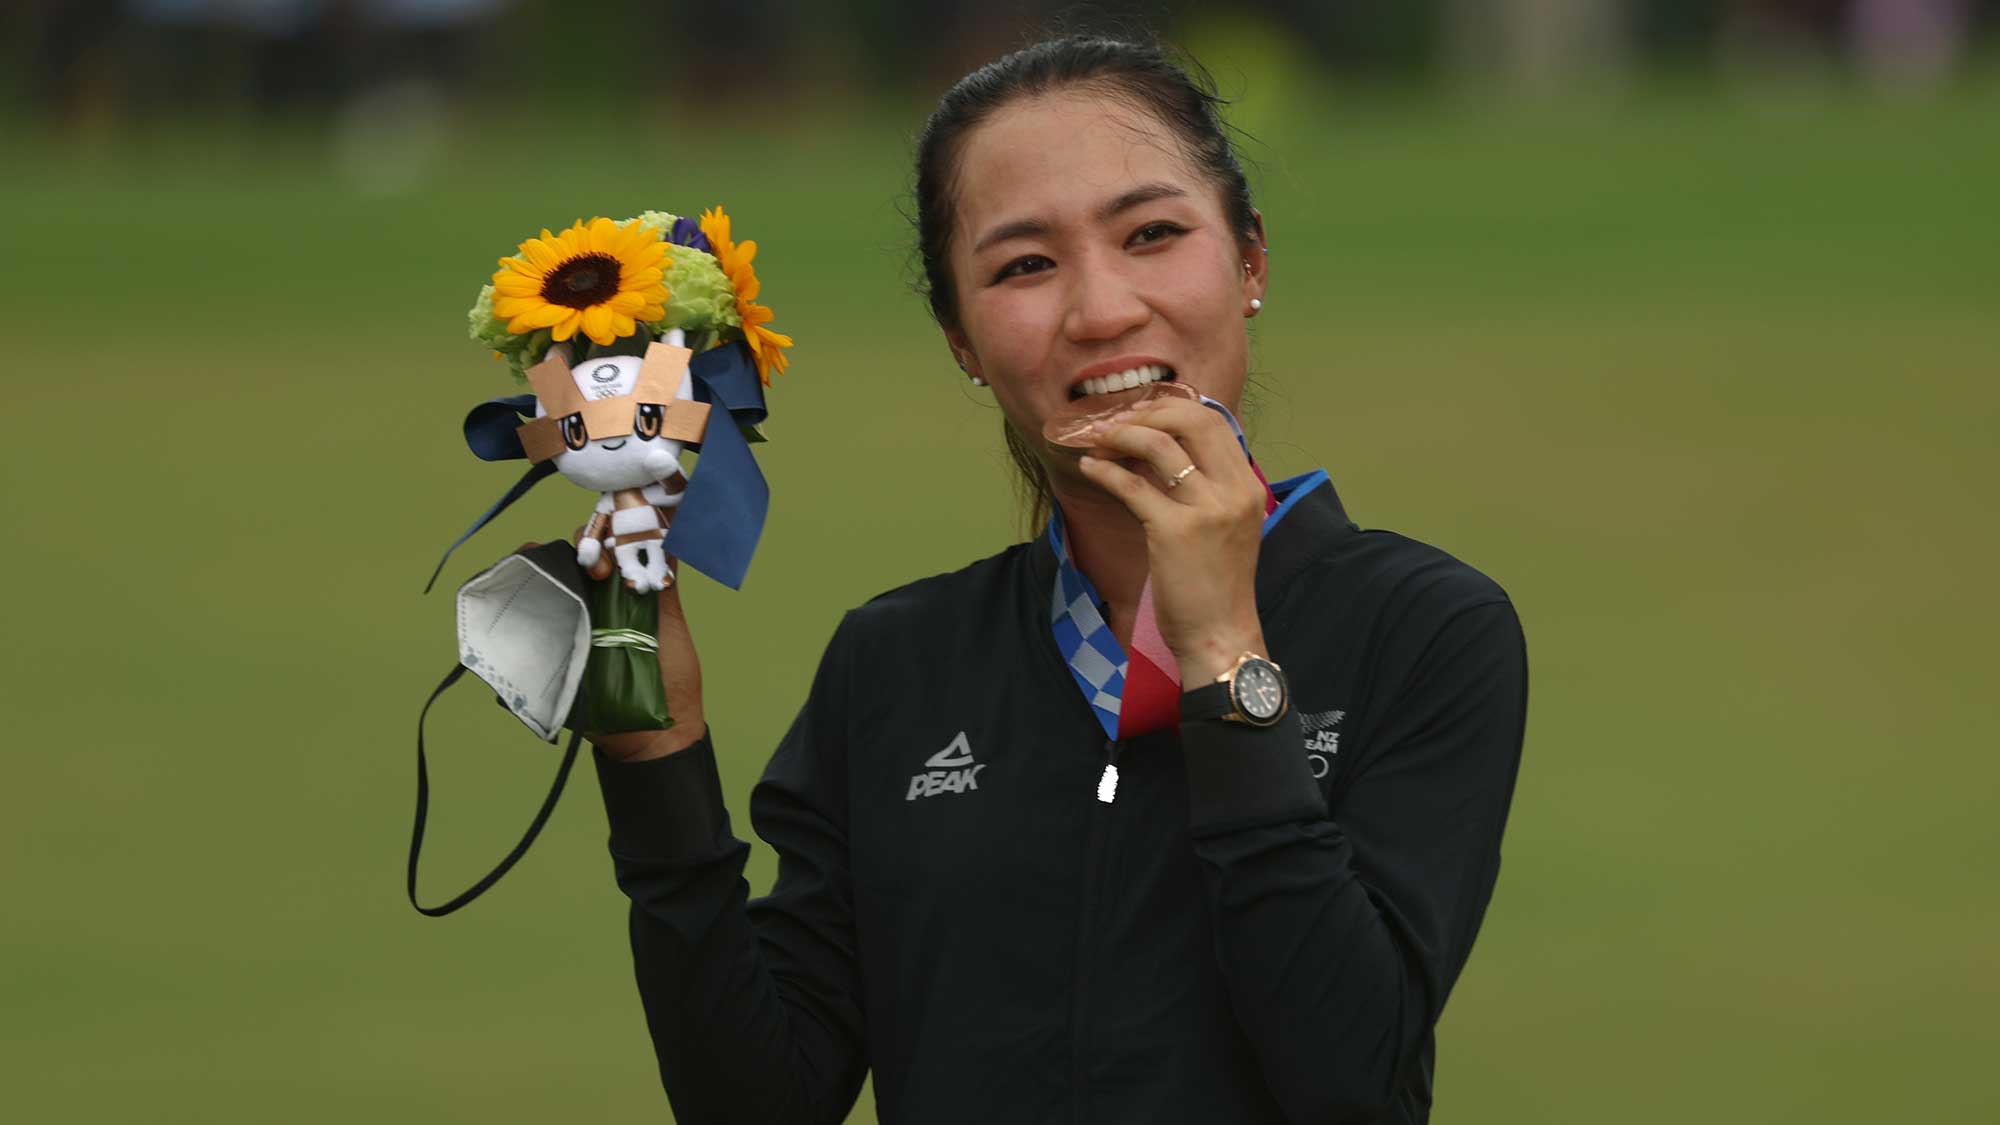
(1124, 380)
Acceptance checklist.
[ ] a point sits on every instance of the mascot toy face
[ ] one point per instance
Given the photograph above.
(634, 458)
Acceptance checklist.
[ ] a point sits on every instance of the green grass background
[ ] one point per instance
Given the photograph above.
(1711, 383)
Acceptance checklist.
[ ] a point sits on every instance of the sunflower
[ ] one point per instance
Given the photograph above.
(601, 277)
(766, 347)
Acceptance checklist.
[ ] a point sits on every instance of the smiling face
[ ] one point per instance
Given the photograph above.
(1090, 256)
(630, 459)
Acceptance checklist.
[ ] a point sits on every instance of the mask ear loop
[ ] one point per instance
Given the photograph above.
(423, 809)
(528, 480)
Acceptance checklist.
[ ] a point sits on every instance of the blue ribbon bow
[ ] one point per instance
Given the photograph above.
(721, 515)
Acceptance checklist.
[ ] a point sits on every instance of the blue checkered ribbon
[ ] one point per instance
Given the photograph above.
(1096, 660)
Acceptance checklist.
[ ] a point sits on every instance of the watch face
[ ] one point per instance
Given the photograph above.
(1259, 692)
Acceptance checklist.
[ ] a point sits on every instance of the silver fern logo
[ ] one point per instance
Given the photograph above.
(1322, 741)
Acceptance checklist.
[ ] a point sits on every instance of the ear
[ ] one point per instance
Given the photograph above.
(1257, 255)
(961, 351)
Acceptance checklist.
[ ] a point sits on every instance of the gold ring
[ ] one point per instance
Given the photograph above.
(1177, 478)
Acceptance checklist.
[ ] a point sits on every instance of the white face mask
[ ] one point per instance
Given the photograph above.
(525, 630)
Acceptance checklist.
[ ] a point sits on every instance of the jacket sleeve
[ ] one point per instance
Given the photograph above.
(1341, 933)
(753, 1006)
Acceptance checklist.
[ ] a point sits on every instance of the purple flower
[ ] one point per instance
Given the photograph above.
(687, 232)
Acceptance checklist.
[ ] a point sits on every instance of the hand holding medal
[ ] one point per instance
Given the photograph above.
(1180, 469)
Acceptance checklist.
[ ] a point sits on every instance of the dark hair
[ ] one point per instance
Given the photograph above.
(1141, 73)
(1181, 97)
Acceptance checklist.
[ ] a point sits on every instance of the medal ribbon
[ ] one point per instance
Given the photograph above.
(1138, 692)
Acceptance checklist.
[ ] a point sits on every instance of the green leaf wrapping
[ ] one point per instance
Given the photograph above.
(622, 690)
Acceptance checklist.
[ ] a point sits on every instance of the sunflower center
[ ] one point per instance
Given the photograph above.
(582, 281)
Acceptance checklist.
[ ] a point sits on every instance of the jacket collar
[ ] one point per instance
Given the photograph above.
(1311, 519)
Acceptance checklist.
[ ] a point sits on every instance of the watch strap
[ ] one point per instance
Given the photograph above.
(1209, 701)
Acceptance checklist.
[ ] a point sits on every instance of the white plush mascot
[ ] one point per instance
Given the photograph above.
(616, 425)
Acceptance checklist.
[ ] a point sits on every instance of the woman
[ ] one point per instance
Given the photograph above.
(1187, 810)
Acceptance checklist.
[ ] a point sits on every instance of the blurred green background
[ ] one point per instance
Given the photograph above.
(1686, 335)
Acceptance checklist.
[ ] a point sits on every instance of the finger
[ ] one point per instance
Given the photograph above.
(1160, 452)
(1143, 499)
(670, 598)
(680, 665)
(1205, 434)
(1226, 472)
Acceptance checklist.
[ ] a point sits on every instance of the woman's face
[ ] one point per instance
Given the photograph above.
(1086, 245)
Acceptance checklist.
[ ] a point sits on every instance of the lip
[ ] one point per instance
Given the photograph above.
(1116, 364)
(620, 445)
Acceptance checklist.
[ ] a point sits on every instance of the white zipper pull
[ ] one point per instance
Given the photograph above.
(1107, 786)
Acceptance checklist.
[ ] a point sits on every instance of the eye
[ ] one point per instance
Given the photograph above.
(647, 424)
(1155, 232)
(573, 432)
(1022, 266)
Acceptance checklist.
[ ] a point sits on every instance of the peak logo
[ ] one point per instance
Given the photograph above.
(952, 770)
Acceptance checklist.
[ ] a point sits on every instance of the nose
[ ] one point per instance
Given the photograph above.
(1103, 304)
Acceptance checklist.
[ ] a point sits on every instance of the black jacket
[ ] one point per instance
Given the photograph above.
(1262, 927)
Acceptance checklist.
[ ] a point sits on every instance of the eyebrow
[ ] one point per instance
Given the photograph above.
(1029, 228)
(1139, 197)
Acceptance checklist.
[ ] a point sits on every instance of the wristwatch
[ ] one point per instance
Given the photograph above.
(1253, 691)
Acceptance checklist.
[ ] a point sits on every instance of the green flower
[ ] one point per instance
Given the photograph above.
(481, 324)
(486, 328)
(662, 221)
(699, 296)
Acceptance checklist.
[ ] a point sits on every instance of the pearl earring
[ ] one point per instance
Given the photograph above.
(978, 382)
(1256, 303)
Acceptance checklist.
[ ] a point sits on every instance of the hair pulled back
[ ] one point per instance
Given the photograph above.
(1144, 76)
(1140, 73)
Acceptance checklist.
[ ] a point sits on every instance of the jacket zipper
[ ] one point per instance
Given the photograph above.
(1093, 845)
(1107, 782)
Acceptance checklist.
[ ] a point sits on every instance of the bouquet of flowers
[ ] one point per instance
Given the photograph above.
(607, 280)
(638, 340)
